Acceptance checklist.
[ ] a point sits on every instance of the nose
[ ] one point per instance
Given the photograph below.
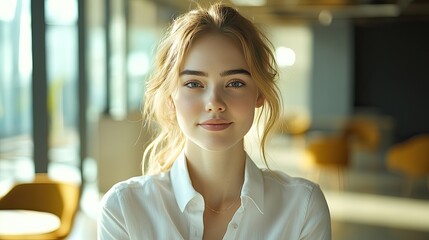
(215, 102)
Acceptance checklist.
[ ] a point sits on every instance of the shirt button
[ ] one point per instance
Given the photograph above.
(235, 225)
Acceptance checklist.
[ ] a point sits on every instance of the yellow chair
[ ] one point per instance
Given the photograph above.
(294, 124)
(364, 136)
(364, 133)
(44, 195)
(330, 152)
(410, 158)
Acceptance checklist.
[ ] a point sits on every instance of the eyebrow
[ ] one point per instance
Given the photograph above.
(192, 72)
(222, 74)
(235, 71)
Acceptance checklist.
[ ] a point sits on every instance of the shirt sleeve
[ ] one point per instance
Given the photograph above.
(111, 223)
(317, 224)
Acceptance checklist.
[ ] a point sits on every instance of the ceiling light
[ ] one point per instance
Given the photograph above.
(285, 56)
(249, 2)
(325, 17)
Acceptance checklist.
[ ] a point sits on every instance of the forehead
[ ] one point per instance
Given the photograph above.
(214, 51)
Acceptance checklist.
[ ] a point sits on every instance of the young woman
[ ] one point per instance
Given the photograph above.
(214, 74)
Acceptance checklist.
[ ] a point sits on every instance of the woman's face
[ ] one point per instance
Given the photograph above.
(216, 98)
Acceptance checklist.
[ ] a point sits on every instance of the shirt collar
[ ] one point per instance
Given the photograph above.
(253, 187)
(181, 182)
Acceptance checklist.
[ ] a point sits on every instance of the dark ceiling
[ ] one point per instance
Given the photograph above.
(322, 10)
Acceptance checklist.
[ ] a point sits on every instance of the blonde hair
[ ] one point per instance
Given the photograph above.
(161, 153)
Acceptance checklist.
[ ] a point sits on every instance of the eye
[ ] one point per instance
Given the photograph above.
(193, 84)
(236, 84)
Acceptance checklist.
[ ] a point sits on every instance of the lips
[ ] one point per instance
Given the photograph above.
(215, 124)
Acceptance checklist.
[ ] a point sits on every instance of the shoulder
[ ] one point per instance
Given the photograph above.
(290, 189)
(303, 196)
(136, 187)
(304, 199)
(132, 207)
(283, 181)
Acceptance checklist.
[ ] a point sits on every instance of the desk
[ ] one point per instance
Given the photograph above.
(22, 222)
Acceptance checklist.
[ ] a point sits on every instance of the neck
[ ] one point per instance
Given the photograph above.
(219, 175)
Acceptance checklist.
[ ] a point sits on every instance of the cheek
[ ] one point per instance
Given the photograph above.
(186, 107)
(245, 103)
(243, 110)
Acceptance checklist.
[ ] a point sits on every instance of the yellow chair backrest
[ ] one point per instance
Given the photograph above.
(410, 157)
(45, 195)
(364, 132)
(330, 150)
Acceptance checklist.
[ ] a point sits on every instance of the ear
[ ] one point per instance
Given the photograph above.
(260, 100)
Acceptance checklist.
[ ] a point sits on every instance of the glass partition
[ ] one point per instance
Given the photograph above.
(15, 88)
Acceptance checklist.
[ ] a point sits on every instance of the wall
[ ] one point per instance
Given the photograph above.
(294, 81)
(121, 144)
(332, 74)
(392, 73)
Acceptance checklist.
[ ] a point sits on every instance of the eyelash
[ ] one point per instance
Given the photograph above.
(194, 84)
(241, 84)
(189, 83)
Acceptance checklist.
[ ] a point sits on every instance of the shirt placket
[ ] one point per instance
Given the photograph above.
(234, 224)
(196, 219)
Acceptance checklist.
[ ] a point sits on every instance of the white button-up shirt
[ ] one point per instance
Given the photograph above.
(166, 206)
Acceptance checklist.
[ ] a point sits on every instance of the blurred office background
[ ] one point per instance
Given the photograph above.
(354, 76)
